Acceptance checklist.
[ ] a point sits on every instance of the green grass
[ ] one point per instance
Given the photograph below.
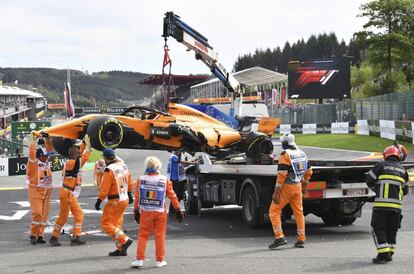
(347, 141)
(95, 156)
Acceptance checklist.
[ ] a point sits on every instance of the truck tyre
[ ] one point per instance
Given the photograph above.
(62, 145)
(335, 220)
(105, 132)
(190, 202)
(251, 213)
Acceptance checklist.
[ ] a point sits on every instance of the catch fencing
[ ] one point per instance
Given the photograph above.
(391, 106)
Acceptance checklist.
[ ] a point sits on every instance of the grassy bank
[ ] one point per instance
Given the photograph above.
(347, 141)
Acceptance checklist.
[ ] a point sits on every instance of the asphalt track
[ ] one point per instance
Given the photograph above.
(216, 242)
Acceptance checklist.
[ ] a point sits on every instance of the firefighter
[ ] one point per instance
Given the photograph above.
(389, 181)
(150, 210)
(98, 172)
(69, 193)
(293, 174)
(39, 180)
(116, 187)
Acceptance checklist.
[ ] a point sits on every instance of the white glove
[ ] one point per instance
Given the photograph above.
(87, 141)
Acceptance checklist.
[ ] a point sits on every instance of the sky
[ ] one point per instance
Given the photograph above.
(100, 35)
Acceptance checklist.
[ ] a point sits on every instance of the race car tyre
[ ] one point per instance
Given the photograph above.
(105, 132)
(250, 211)
(61, 145)
(190, 202)
(258, 143)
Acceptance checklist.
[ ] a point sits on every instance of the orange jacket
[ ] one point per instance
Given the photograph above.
(37, 172)
(71, 176)
(284, 168)
(110, 184)
(168, 191)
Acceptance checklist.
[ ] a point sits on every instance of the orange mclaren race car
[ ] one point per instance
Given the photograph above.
(182, 128)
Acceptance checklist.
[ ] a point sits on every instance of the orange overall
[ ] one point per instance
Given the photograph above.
(116, 183)
(68, 195)
(151, 203)
(289, 179)
(39, 179)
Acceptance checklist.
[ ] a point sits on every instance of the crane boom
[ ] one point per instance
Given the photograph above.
(193, 40)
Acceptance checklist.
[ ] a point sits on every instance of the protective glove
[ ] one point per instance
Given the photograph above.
(32, 138)
(130, 198)
(179, 215)
(87, 141)
(44, 134)
(406, 190)
(276, 196)
(137, 215)
(98, 204)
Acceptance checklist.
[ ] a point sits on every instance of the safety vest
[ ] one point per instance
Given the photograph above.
(152, 192)
(121, 175)
(299, 164)
(44, 174)
(391, 179)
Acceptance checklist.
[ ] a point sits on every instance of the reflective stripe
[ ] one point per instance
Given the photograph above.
(392, 177)
(386, 190)
(382, 246)
(383, 250)
(401, 193)
(31, 160)
(388, 200)
(372, 174)
(392, 249)
(387, 205)
(391, 182)
(301, 232)
(277, 229)
(38, 223)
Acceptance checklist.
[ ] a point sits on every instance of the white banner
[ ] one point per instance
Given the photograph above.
(284, 128)
(362, 127)
(274, 96)
(387, 129)
(341, 128)
(4, 167)
(309, 129)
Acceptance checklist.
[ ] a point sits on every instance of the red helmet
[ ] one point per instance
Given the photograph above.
(392, 151)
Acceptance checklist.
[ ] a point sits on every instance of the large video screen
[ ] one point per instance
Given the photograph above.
(319, 78)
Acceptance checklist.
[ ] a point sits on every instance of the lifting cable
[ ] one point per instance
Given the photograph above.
(167, 80)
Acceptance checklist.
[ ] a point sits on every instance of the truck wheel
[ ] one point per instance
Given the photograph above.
(105, 132)
(62, 145)
(348, 220)
(190, 202)
(250, 210)
(334, 220)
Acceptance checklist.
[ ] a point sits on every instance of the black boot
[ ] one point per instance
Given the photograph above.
(41, 240)
(300, 244)
(125, 246)
(277, 242)
(54, 241)
(33, 240)
(389, 259)
(116, 253)
(382, 258)
(77, 240)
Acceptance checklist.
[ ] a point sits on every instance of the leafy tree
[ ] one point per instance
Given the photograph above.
(390, 36)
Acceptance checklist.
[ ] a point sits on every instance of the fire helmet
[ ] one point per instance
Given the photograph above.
(392, 151)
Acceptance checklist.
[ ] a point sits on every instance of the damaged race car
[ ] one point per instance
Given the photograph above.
(181, 128)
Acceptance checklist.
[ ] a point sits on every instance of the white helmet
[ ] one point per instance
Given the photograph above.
(288, 138)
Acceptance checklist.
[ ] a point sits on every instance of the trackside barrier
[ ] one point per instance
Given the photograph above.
(17, 166)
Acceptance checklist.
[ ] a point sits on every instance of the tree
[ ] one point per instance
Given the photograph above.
(389, 33)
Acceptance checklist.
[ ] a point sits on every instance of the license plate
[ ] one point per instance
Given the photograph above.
(355, 192)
